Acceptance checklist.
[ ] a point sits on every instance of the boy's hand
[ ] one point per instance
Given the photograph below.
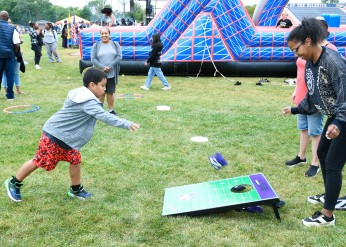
(134, 127)
(286, 111)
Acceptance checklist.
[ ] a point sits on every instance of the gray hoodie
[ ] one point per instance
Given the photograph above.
(74, 123)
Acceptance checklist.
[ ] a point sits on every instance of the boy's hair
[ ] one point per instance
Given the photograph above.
(310, 28)
(93, 75)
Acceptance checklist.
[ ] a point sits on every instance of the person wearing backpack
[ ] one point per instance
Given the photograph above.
(106, 56)
(50, 40)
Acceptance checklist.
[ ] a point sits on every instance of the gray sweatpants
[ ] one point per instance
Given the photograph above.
(52, 52)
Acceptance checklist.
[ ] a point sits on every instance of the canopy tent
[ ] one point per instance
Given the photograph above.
(73, 18)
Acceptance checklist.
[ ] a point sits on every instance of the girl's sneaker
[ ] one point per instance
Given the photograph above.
(316, 199)
(319, 219)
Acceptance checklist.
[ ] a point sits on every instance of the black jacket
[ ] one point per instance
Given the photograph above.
(154, 55)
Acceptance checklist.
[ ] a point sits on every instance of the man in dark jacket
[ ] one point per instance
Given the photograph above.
(9, 46)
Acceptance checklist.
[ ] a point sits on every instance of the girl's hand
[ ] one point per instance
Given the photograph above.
(286, 111)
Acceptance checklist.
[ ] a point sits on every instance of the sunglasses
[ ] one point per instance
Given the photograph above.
(295, 50)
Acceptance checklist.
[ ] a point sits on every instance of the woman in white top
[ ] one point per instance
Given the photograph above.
(50, 40)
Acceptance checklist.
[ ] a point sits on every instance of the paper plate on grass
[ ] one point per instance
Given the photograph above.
(199, 139)
(163, 108)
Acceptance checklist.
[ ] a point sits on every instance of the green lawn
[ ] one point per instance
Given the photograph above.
(127, 172)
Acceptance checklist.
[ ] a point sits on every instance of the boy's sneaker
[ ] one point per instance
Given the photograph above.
(312, 171)
(80, 194)
(113, 112)
(144, 87)
(296, 161)
(13, 190)
(319, 219)
(37, 66)
(316, 199)
(166, 88)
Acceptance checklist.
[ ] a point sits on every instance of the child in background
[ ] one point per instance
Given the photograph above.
(67, 131)
(155, 64)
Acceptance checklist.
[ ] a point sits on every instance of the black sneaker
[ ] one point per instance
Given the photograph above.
(312, 171)
(265, 80)
(238, 83)
(316, 199)
(319, 219)
(259, 83)
(113, 112)
(296, 161)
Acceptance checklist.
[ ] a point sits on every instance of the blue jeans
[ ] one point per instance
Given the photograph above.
(151, 73)
(16, 76)
(332, 156)
(7, 67)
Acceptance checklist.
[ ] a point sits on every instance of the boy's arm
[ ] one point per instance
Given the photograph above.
(94, 109)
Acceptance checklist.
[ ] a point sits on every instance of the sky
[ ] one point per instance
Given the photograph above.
(117, 4)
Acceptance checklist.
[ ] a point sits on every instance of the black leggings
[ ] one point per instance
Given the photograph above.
(38, 53)
(332, 156)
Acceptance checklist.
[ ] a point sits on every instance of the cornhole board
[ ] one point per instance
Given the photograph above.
(216, 196)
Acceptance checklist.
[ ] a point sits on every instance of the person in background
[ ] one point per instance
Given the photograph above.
(284, 22)
(50, 40)
(16, 71)
(326, 83)
(64, 34)
(106, 55)
(36, 37)
(111, 18)
(9, 47)
(155, 64)
(308, 125)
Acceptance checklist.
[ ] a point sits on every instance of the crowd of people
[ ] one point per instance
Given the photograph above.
(320, 92)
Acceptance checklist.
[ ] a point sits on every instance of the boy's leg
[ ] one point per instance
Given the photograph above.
(76, 189)
(26, 170)
(13, 185)
(75, 174)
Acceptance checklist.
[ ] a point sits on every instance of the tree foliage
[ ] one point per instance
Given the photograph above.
(23, 11)
(330, 1)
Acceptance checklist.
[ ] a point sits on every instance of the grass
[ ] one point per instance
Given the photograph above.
(127, 172)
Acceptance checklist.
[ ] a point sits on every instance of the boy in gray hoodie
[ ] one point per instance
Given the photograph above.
(67, 131)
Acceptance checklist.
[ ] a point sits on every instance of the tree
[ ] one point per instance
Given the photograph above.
(85, 13)
(138, 13)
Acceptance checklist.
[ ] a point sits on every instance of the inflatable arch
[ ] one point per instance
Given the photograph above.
(204, 36)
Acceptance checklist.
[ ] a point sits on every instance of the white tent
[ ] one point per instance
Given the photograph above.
(73, 18)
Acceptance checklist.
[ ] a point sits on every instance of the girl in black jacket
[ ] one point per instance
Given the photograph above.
(155, 64)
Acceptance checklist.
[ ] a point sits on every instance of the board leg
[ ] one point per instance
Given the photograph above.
(276, 211)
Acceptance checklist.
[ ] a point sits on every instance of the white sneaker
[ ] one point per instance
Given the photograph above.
(37, 66)
(144, 87)
(166, 88)
(319, 219)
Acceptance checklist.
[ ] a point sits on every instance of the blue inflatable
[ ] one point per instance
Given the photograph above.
(209, 36)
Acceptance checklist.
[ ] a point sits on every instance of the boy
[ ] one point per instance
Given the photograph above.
(67, 131)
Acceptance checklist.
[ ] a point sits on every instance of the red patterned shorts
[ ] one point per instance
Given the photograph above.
(49, 154)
